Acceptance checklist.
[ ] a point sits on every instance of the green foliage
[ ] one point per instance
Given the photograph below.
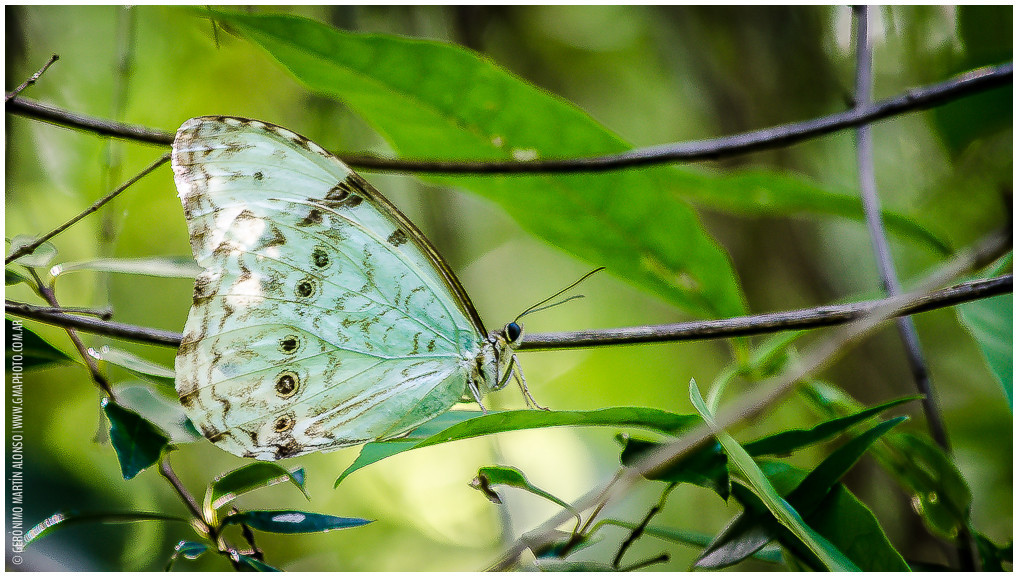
(789, 221)
(138, 443)
(33, 350)
(459, 425)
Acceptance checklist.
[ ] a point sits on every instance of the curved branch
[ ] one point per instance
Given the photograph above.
(970, 82)
(811, 318)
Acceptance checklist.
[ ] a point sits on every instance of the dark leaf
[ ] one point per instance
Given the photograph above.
(138, 443)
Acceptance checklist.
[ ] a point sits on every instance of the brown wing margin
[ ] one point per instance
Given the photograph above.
(365, 188)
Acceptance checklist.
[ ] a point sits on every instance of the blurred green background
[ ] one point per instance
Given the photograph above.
(650, 74)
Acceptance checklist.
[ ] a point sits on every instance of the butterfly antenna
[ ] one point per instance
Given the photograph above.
(538, 307)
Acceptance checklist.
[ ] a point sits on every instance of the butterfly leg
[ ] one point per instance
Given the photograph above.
(477, 395)
(516, 371)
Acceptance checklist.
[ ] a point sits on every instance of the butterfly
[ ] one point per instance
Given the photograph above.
(322, 318)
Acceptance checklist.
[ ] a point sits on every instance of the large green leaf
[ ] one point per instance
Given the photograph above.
(441, 101)
(458, 425)
(991, 322)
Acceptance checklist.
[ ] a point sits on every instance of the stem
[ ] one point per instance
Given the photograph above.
(971, 82)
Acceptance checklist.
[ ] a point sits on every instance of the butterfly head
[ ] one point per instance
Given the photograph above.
(512, 334)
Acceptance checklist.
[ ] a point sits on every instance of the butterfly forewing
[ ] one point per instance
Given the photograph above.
(322, 318)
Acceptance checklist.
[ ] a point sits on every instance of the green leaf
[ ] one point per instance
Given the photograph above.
(158, 266)
(487, 477)
(765, 193)
(143, 368)
(787, 441)
(940, 495)
(28, 350)
(293, 521)
(187, 550)
(252, 564)
(13, 277)
(991, 321)
(770, 553)
(62, 520)
(138, 443)
(440, 101)
(466, 425)
(828, 554)
(992, 555)
(850, 525)
(812, 490)
(167, 414)
(706, 467)
(229, 486)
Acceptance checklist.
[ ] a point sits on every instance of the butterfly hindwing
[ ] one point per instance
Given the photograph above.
(322, 318)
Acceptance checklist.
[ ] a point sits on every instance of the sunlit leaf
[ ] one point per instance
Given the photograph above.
(141, 367)
(293, 521)
(158, 266)
(59, 521)
(253, 564)
(991, 322)
(165, 413)
(229, 486)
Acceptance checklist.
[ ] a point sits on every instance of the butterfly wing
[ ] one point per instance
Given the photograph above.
(322, 317)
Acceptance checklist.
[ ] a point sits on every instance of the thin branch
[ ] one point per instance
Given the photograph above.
(192, 505)
(878, 235)
(31, 80)
(639, 529)
(89, 325)
(47, 293)
(752, 403)
(968, 554)
(767, 323)
(29, 248)
(970, 82)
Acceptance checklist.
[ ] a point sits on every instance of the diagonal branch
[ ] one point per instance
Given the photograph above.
(970, 82)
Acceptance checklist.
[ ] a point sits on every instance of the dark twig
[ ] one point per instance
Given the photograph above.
(189, 501)
(920, 98)
(47, 293)
(810, 318)
(107, 328)
(638, 531)
(31, 80)
(29, 248)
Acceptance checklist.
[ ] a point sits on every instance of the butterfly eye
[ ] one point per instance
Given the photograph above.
(289, 343)
(286, 384)
(320, 257)
(513, 332)
(305, 288)
(283, 424)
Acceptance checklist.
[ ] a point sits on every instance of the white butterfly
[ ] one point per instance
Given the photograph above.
(323, 318)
